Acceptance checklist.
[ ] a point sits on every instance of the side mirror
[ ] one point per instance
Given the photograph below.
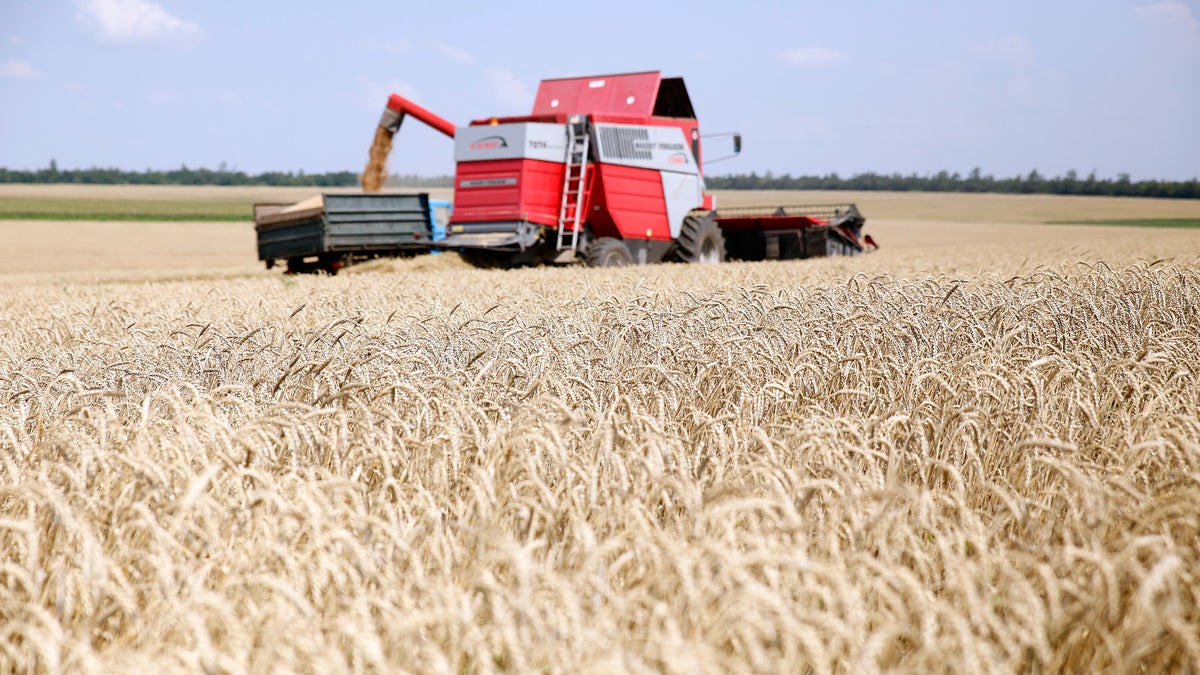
(737, 145)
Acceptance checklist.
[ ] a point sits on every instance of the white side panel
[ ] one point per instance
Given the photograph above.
(528, 140)
(683, 193)
(645, 147)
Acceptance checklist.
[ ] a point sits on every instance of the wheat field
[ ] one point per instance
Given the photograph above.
(965, 457)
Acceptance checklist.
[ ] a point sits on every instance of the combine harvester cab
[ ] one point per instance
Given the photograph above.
(607, 169)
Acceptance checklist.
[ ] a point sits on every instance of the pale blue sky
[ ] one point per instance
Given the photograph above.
(1105, 85)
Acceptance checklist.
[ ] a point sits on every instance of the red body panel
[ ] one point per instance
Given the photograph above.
(506, 190)
(631, 203)
(551, 119)
(629, 93)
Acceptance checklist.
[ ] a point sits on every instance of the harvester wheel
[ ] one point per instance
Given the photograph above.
(700, 240)
(608, 252)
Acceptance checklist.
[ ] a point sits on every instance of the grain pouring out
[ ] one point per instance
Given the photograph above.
(376, 173)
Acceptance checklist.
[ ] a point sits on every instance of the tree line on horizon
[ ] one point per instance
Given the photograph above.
(943, 181)
(220, 176)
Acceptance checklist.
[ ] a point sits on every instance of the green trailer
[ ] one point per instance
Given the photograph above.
(329, 232)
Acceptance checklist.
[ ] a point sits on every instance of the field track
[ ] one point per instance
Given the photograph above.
(975, 450)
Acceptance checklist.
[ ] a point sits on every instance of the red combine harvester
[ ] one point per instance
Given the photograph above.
(607, 170)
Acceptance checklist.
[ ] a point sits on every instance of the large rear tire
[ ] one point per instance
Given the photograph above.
(700, 240)
(608, 252)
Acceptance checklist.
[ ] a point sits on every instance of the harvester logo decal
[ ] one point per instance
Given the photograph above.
(490, 143)
(678, 158)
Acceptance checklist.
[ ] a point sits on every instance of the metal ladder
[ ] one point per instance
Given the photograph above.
(574, 181)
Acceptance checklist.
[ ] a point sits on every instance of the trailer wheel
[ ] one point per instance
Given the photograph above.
(608, 252)
(330, 263)
(700, 240)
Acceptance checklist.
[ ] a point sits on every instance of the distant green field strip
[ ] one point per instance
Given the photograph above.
(1135, 222)
(34, 208)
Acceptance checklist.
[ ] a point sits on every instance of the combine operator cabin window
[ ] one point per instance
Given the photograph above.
(673, 99)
